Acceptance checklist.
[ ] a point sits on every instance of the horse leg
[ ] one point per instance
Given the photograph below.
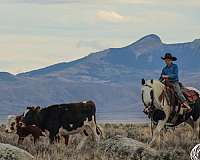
(191, 124)
(156, 133)
(196, 128)
(159, 127)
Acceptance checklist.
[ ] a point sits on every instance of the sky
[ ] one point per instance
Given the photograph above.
(38, 33)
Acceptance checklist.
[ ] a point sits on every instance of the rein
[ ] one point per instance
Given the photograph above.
(150, 108)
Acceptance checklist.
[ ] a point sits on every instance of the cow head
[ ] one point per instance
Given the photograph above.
(13, 122)
(11, 125)
(31, 115)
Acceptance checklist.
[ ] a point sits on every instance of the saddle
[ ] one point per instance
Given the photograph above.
(174, 102)
(177, 115)
(191, 95)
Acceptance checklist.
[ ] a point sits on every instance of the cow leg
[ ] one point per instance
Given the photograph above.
(35, 138)
(85, 133)
(82, 143)
(52, 136)
(92, 125)
(66, 137)
(20, 140)
(57, 138)
(99, 131)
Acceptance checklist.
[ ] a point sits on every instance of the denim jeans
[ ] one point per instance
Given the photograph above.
(178, 91)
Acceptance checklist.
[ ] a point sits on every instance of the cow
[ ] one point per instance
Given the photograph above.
(66, 119)
(11, 124)
(15, 125)
(24, 131)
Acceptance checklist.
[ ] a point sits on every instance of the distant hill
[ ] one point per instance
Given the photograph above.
(111, 78)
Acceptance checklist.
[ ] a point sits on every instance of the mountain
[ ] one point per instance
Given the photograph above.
(5, 76)
(143, 54)
(111, 78)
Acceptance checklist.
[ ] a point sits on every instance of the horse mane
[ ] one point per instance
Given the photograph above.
(154, 83)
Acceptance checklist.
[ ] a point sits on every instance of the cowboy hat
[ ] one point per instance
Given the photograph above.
(169, 56)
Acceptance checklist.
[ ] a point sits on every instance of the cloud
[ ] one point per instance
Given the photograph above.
(111, 16)
(160, 16)
(93, 44)
(27, 52)
(186, 3)
(40, 1)
(136, 1)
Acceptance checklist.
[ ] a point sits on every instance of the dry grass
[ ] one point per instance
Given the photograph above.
(176, 144)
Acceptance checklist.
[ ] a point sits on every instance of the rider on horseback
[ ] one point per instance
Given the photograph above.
(170, 73)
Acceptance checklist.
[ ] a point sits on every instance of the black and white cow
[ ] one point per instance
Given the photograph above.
(65, 119)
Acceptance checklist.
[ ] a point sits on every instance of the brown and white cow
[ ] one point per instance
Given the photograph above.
(15, 125)
(11, 124)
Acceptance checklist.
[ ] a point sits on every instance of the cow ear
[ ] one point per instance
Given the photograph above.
(143, 81)
(152, 81)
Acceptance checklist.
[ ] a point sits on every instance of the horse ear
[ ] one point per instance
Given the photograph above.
(152, 81)
(29, 108)
(143, 81)
(37, 108)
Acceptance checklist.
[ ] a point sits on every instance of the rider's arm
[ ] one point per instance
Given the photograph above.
(174, 76)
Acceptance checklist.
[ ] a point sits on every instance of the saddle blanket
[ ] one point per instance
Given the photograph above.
(191, 95)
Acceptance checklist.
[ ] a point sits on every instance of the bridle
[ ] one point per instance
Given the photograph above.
(148, 108)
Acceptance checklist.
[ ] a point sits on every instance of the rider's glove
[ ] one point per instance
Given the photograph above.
(165, 76)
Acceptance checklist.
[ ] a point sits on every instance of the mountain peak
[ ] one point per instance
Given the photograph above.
(196, 41)
(150, 37)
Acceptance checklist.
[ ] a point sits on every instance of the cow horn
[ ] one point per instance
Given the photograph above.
(143, 81)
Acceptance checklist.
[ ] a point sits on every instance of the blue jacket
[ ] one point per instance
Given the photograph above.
(171, 71)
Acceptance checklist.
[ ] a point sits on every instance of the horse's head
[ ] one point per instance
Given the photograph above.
(151, 91)
(147, 95)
